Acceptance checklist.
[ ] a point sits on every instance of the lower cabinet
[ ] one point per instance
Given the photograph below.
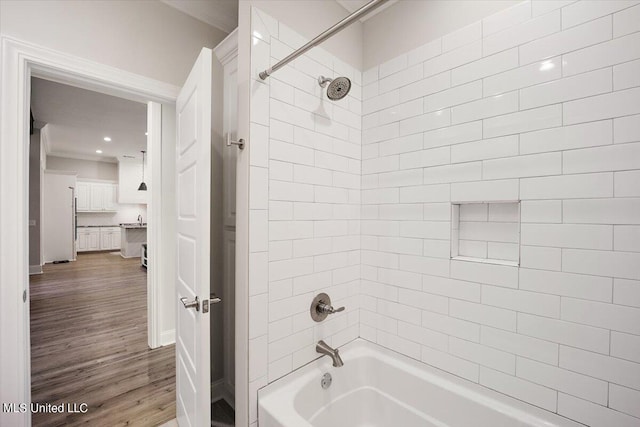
(109, 238)
(88, 239)
(98, 239)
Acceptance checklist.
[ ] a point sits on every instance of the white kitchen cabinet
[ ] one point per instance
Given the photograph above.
(105, 240)
(82, 241)
(83, 194)
(96, 196)
(96, 202)
(98, 238)
(88, 239)
(94, 240)
(109, 197)
(109, 238)
(116, 239)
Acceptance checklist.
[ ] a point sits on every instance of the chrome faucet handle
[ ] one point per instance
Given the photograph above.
(326, 308)
(321, 307)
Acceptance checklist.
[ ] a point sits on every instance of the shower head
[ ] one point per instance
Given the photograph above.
(338, 87)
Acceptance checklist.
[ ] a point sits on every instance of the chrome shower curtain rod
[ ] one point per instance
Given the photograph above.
(373, 4)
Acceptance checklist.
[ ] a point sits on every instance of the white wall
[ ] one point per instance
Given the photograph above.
(310, 18)
(144, 37)
(304, 202)
(544, 108)
(409, 24)
(86, 169)
(347, 46)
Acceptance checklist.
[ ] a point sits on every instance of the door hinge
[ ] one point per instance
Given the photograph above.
(24, 296)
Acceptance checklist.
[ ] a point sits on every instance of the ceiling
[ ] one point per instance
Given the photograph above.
(222, 14)
(78, 120)
(353, 5)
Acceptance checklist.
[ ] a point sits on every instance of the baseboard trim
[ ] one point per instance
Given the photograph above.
(221, 390)
(230, 396)
(35, 269)
(168, 337)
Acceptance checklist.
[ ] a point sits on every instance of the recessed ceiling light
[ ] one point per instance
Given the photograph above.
(107, 139)
(99, 151)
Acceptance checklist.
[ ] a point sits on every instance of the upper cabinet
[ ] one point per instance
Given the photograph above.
(110, 197)
(227, 53)
(96, 196)
(129, 178)
(83, 196)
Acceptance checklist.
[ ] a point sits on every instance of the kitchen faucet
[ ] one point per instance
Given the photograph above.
(140, 219)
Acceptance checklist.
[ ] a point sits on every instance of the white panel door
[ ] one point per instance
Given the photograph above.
(193, 195)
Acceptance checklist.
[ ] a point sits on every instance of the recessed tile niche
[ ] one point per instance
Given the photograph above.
(487, 232)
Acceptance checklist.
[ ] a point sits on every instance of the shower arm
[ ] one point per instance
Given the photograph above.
(373, 4)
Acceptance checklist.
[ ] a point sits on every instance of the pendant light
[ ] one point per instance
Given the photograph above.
(143, 186)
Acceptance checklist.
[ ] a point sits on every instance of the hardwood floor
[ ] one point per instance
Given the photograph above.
(89, 344)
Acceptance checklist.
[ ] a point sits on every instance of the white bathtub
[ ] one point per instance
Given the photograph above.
(378, 387)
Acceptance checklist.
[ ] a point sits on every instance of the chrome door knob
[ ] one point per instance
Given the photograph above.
(191, 304)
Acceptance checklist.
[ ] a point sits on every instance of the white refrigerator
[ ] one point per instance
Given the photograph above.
(59, 219)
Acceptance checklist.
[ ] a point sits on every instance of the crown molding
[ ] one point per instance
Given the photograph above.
(227, 49)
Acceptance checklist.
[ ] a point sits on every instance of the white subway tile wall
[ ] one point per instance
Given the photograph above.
(538, 103)
(305, 178)
(543, 108)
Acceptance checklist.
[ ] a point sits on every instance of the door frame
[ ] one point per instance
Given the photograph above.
(19, 62)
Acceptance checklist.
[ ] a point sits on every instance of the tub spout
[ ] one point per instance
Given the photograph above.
(323, 348)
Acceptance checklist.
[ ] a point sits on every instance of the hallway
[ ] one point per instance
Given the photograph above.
(89, 345)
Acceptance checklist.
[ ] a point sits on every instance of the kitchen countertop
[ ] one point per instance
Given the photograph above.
(122, 225)
(133, 225)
